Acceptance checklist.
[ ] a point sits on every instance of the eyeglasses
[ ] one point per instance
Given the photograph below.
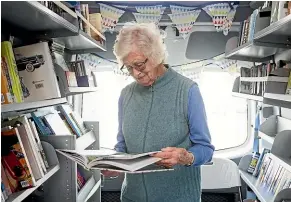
(139, 66)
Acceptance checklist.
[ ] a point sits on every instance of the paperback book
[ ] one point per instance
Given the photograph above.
(106, 159)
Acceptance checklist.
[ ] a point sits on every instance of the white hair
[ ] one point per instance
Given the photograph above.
(146, 37)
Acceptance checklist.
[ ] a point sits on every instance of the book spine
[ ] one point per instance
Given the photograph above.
(71, 122)
(40, 146)
(6, 97)
(5, 181)
(7, 52)
(39, 124)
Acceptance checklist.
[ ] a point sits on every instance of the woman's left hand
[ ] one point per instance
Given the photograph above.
(172, 156)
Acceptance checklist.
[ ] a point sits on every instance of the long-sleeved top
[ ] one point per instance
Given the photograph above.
(202, 148)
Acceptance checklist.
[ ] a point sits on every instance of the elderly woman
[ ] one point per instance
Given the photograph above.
(161, 110)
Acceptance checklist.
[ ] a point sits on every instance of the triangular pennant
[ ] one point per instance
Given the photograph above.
(222, 16)
(147, 18)
(155, 10)
(109, 16)
(180, 9)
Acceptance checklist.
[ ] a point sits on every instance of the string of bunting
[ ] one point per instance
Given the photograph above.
(183, 17)
(222, 16)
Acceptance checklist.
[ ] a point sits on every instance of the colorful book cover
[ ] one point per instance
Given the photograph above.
(36, 71)
(5, 181)
(260, 161)
(66, 111)
(14, 160)
(7, 52)
(6, 97)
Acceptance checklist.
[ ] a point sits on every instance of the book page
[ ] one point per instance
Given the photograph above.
(125, 156)
(148, 169)
(130, 165)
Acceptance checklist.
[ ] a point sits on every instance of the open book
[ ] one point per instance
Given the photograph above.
(106, 159)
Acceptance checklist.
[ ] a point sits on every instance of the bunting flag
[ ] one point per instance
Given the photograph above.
(156, 10)
(147, 18)
(184, 21)
(180, 9)
(110, 16)
(222, 16)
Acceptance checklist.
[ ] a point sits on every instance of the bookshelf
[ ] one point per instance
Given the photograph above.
(266, 43)
(265, 78)
(20, 196)
(49, 25)
(262, 193)
(273, 126)
(31, 105)
(23, 14)
(251, 181)
(54, 168)
(65, 181)
(81, 43)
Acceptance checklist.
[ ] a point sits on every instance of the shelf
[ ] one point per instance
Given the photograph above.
(281, 100)
(82, 43)
(253, 52)
(279, 30)
(266, 78)
(265, 44)
(262, 194)
(248, 96)
(31, 105)
(80, 90)
(282, 97)
(88, 190)
(93, 190)
(267, 138)
(33, 16)
(20, 196)
(85, 141)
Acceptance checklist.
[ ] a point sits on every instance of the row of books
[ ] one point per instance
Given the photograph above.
(255, 88)
(248, 28)
(23, 160)
(263, 70)
(27, 73)
(60, 121)
(270, 12)
(94, 19)
(271, 175)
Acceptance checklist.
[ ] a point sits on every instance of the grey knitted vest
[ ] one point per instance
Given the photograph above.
(153, 118)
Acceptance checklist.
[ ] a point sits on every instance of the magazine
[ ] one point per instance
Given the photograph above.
(106, 159)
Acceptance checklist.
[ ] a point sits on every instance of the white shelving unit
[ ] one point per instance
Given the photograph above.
(273, 126)
(85, 140)
(248, 96)
(262, 193)
(267, 138)
(252, 182)
(31, 105)
(281, 97)
(88, 190)
(263, 79)
(20, 196)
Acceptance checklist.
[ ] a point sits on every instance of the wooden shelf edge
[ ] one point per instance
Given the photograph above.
(91, 26)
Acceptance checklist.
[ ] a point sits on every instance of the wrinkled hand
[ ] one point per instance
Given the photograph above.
(172, 156)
